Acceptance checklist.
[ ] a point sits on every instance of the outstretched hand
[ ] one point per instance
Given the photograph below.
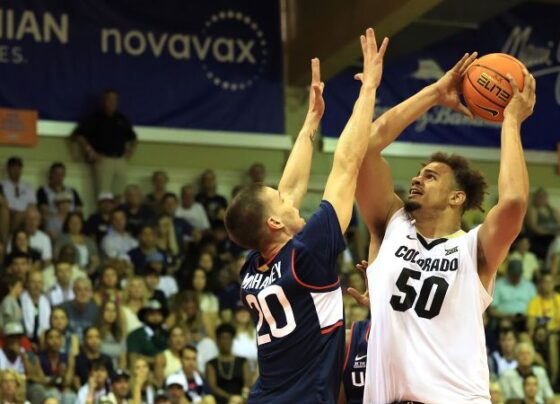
(522, 102)
(316, 102)
(361, 298)
(373, 59)
(450, 86)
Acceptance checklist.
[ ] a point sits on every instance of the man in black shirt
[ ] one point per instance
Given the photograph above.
(108, 140)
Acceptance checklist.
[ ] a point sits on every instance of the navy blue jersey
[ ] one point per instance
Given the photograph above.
(296, 300)
(354, 375)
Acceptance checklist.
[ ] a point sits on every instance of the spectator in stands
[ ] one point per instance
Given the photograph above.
(208, 195)
(192, 211)
(46, 194)
(66, 255)
(228, 295)
(108, 287)
(120, 388)
(73, 234)
(35, 307)
(196, 388)
(504, 358)
(55, 221)
(207, 301)
(108, 141)
(137, 213)
(20, 244)
(176, 389)
(512, 295)
(19, 195)
(512, 379)
(496, 395)
(19, 265)
(37, 238)
(146, 247)
(4, 219)
(10, 310)
(552, 262)
(543, 222)
(185, 311)
(159, 189)
(183, 230)
(166, 242)
(544, 309)
(96, 383)
(169, 361)
(257, 173)
(12, 387)
(143, 390)
(521, 252)
(155, 275)
(82, 311)
(58, 368)
(245, 340)
(97, 225)
(228, 375)
(118, 242)
(530, 389)
(59, 322)
(90, 352)
(112, 330)
(135, 297)
(150, 339)
(152, 284)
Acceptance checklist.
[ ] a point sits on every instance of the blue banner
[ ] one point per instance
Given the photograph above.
(183, 64)
(529, 32)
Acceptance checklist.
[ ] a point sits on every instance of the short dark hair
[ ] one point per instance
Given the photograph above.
(468, 179)
(12, 280)
(189, 347)
(55, 165)
(69, 217)
(15, 255)
(98, 364)
(168, 195)
(225, 329)
(245, 217)
(14, 161)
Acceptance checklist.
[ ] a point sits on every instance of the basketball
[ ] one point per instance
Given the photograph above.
(486, 89)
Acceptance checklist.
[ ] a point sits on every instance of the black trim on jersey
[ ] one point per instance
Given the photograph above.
(429, 245)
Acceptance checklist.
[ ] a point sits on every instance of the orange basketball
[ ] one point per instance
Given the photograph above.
(486, 89)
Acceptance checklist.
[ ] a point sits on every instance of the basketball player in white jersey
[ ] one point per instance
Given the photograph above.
(430, 282)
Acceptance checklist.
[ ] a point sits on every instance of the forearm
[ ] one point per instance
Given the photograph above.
(513, 179)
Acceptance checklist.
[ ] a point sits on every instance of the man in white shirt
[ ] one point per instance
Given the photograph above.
(195, 387)
(193, 212)
(18, 194)
(37, 238)
(118, 242)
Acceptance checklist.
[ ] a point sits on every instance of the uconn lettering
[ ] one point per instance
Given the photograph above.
(427, 264)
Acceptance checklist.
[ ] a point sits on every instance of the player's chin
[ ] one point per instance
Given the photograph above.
(411, 205)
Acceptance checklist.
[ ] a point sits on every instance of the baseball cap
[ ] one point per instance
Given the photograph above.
(119, 374)
(105, 196)
(176, 379)
(13, 328)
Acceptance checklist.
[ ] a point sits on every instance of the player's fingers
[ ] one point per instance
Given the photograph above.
(383, 47)
(513, 83)
(358, 297)
(468, 62)
(372, 43)
(364, 49)
(315, 71)
(359, 76)
(317, 93)
(458, 65)
(464, 110)
(322, 86)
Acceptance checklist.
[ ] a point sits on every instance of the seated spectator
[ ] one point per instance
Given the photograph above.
(512, 295)
(150, 339)
(530, 389)
(20, 244)
(37, 238)
(118, 242)
(542, 221)
(55, 221)
(70, 342)
(176, 389)
(95, 386)
(544, 309)
(82, 311)
(58, 368)
(512, 379)
(10, 310)
(521, 252)
(496, 395)
(137, 214)
(112, 329)
(228, 375)
(155, 273)
(135, 297)
(19, 195)
(108, 287)
(192, 211)
(13, 356)
(169, 361)
(166, 242)
(208, 196)
(90, 353)
(504, 358)
(185, 311)
(97, 225)
(146, 247)
(159, 188)
(35, 307)
(183, 229)
(143, 390)
(120, 388)
(19, 265)
(46, 193)
(72, 234)
(207, 301)
(245, 340)
(190, 379)
(206, 347)
(225, 248)
(61, 291)
(257, 173)
(152, 284)
(552, 262)
(228, 293)
(12, 387)
(67, 255)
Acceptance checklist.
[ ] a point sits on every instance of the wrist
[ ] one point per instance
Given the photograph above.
(435, 92)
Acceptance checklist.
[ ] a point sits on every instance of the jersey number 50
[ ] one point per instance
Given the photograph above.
(421, 307)
(260, 304)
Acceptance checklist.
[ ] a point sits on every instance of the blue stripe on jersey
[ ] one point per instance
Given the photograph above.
(354, 374)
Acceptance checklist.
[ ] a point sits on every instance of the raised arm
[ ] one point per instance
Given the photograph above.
(352, 145)
(504, 221)
(374, 193)
(293, 184)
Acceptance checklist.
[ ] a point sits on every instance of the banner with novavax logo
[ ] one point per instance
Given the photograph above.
(212, 65)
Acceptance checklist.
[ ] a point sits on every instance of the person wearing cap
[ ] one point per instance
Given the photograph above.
(108, 141)
(512, 295)
(176, 389)
(150, 339)
(99, 222)
(46, 194)
(119, 389)
(18, 194)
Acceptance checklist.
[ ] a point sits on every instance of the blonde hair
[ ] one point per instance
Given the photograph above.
(126, 294)
(20, 381)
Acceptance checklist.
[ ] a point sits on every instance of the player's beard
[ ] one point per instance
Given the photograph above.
(411, 206)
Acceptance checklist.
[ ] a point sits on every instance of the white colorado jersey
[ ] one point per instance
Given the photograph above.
(427, 342)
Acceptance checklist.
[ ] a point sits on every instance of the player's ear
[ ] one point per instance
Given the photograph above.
(458, 198)
(274, 223)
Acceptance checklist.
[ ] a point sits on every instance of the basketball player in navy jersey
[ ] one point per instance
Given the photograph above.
(430, 282)
(354, 373)
(289, 280)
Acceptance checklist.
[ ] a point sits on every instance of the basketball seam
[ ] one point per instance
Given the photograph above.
(484, 96)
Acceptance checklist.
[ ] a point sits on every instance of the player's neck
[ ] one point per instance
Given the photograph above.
(436, 224)
(274, 246)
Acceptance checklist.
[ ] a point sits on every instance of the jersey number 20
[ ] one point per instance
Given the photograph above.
(260, 304)
(421, 307)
